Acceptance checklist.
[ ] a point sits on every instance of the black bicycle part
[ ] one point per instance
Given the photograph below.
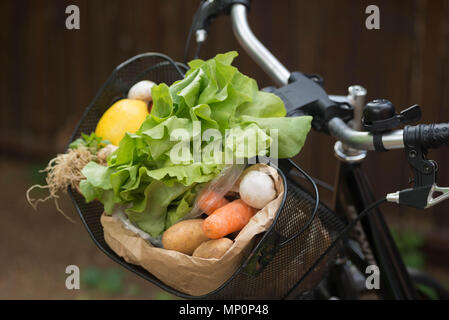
(380, 116)
(344, 233)
(203, 18)
(355, 188)
(417, 140)
(424, 177)
(430, 136)
(320, 183)
(189, 36)
(343, 281)
(354, 253)
(209, 10)
(304, 95)
(384, 247)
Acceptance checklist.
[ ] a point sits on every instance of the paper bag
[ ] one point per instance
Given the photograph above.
(192, 275)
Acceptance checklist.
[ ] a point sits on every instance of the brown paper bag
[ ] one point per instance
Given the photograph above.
(192, 275)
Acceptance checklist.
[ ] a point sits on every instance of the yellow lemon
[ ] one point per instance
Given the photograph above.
(125, 115)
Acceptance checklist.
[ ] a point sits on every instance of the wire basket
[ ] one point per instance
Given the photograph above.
(271, 270)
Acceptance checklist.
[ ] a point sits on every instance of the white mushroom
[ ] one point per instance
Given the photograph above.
(257, 189)
(141, 91)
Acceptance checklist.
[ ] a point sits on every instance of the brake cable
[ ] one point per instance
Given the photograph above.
(189, 38)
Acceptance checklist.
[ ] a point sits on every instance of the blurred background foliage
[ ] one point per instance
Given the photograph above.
(410, 244)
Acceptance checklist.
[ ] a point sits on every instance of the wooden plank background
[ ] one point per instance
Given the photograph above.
(50, 74)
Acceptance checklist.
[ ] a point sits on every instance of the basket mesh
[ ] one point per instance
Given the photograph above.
(284, 277)
(284, 274)
(157, 67)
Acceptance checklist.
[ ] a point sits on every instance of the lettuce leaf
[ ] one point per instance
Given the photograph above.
(92, 142)
(156, 172)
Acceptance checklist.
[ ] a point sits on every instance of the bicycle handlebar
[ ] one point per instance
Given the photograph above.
(337, 127)
(428, 136)
(255, 48)
(363, 140)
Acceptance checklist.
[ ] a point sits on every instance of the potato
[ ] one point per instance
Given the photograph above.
(213, 248)
(184, 236)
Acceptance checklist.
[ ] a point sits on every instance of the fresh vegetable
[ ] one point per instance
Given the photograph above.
(184, 236)
(213, 249)
(124, 116)
(104, 153)
(210, 201)
(257, 189)
(141, 91)
(64, 171)
(215, 95)
(92, 142)
(228, 219)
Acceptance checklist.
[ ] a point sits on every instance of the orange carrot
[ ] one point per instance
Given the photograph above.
(210, 201)
(228, 219)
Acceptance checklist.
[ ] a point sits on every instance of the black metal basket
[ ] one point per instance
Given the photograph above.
(271, 270)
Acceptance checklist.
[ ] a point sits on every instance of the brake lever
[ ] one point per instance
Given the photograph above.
(413, 196)
(444, 195)
(421, 195)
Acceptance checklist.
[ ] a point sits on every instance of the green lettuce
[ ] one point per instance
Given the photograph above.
(142, 174)
(92, 142)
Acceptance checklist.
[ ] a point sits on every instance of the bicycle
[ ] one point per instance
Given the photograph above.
(329, 269)
(344, 118)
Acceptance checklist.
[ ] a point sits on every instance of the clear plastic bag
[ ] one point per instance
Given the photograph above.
(225, 182)
(220, 186)
(120, 215)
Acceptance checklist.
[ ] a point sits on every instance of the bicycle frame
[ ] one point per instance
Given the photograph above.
(352, 194)
(352, 189)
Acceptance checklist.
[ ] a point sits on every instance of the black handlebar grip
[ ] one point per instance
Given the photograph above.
(428, 136)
